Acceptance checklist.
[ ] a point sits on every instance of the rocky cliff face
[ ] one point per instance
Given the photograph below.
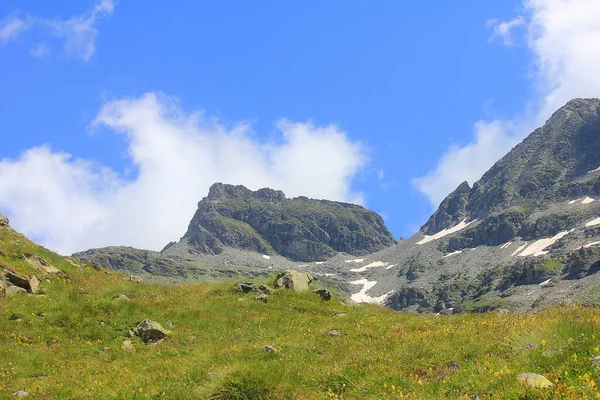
(553, 164)
(526, 235)
(267, 222)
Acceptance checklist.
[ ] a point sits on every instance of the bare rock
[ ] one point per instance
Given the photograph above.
(12, 290)
(151, 331)
(4, 221)
(127, 345)
(270, 349)
(123, 297)
(334, 332)
(261, 297)
(34, 284)
(17, 280)
(294, 280)
(324, 293)
(135, 278)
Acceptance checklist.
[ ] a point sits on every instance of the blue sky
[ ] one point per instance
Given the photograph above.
(388, 103)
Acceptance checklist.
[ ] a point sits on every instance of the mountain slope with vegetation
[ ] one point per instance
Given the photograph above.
(72, 339)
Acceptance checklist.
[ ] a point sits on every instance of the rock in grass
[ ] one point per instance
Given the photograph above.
(151, 331)
(34, 284)
(20, 393)
(324, 293)
(2, 288)
(261, 297)
(292, 279)
(17, 280)
(535, 380)
(4, 221)
(134, 278)
(12, 290)
(596, 363)
(334, 332)
(123, 297)
(127, 345)
(270, 349)
(249, 287)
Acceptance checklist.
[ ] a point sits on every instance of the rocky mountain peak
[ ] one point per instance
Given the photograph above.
(267, 222)
(554, 163)
(225, 191)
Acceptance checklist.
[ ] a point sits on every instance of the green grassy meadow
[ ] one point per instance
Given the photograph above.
(66, 344)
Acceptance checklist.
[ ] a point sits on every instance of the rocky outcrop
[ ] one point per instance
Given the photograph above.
(267, 222)
(295, 280)
(150, 331)
(4, 221)
(549, 166)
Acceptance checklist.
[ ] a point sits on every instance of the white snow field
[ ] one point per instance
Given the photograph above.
(266, 257)
(445, 232)
(518, 250)
(372, 265)
(453, 253)
(593, 222)
(363, 297)
(587, 200)
(537, 248)
(358, 260)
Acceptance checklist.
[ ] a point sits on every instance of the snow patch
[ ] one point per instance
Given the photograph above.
(537, 248)
(372, 265)
(358, 260)
(445, 232)
(390, 266)
(574, 201)
(319, 262)
(594, 170)
(506, 245)
(587, 200)
(363, 297)
(593, 222)
(592, 244)
(518, 250)
(545, 282)
(453, 253)
(266, 257)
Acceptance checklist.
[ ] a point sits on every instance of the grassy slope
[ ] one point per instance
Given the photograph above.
(68, 344)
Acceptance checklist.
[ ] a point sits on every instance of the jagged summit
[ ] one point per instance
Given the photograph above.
(552, 164)
(267, 222)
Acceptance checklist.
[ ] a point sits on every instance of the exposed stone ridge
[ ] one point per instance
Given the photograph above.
(265, 221)
(551, 165)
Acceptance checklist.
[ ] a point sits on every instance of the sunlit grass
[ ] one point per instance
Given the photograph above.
(68, 344)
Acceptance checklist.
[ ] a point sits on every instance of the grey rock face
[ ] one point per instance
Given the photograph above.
(550, 165)
(323, 293)
(150, 331)
(265, 221)
(4, 221)
(249, 287)
(294, 280)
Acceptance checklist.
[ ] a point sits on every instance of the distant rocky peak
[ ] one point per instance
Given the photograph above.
(221, 191)
(450, 212)
(557, 162)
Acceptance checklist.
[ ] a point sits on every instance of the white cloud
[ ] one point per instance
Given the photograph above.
(78, 33)
(40, 50)
(504, 30)
(563, 37)
(71, 204)
(11, 27)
